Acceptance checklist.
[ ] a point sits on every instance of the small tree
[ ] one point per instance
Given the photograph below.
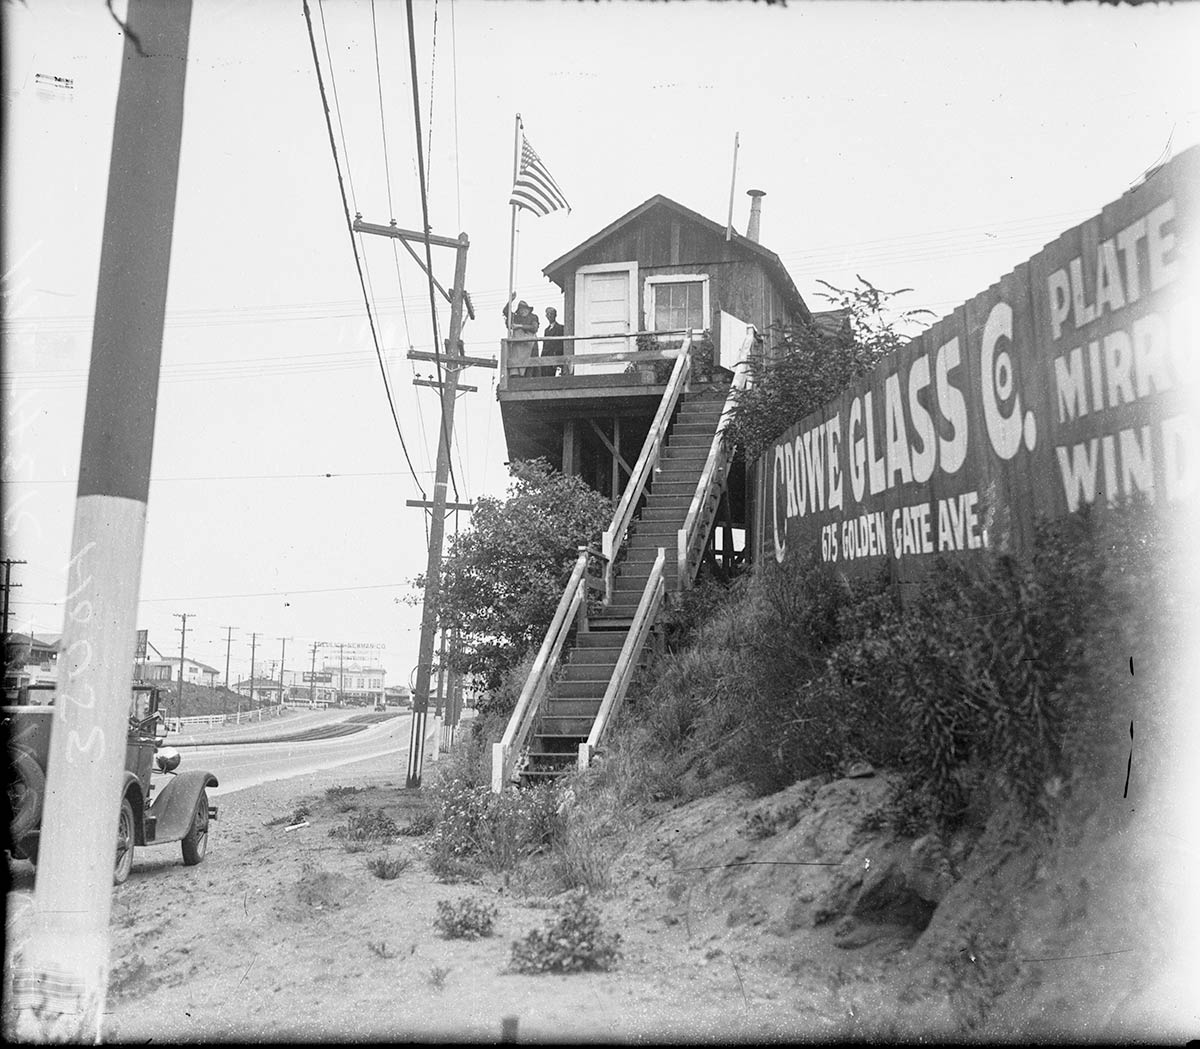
(814, 365)
(503, 576)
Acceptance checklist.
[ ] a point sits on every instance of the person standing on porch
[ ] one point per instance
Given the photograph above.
(551, 339)
(523, 326)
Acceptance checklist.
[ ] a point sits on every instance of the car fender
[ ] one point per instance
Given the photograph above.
(132, 789)
(28, 816)
(175, 803)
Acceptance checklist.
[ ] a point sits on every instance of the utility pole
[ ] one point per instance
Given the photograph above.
(8, 585)
(253, 644)
(182, 639)
(312, 675)
(341, 673)
(228, 641)
(282, 658)
(452, 361)
(60, 974)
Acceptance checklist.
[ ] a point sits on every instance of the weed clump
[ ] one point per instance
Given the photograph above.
(468, 919)
(388, 867)
(371, 825)
(571, 942)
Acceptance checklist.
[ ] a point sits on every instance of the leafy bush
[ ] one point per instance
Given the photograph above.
(387, 867)
(468, 919)
(571, 942)
(502, 577)
(1009, 680)
(811, 364)
(496, 830)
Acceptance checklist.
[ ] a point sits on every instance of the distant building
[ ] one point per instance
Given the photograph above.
(167, 670)
(30, 659)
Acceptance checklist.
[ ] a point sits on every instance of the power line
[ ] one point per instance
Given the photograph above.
(437, 341)
(336, 103)
(454, 85)
(432, 77)
(354, 247)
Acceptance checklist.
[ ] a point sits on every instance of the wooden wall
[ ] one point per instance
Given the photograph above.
(1071, 382)
(663, 242)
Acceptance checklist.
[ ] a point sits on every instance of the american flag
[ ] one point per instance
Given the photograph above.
(535, 189)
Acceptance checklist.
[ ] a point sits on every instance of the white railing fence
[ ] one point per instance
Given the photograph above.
(571, 606)
(711, 482)
(643, 619)
(643, 469)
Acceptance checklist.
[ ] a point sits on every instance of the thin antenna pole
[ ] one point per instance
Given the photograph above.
(732, 185)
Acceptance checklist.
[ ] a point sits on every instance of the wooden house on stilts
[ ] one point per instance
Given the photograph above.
(662, 309)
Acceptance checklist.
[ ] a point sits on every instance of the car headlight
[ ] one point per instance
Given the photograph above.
(167, 759)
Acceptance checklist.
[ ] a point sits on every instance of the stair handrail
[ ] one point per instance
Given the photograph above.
(574, 597)
(644, 467)
(643, 619)
(717, 456)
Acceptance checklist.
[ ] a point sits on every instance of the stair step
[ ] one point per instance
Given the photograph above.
(592, 640)
(643, 556)
(693, 429)
(580, 689)
(571, 708)
(589, 659)
(557, 750)
(663, 528)
(566, 724)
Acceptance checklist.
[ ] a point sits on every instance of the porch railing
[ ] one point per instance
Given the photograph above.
(643, 619)
(643, 469)
(708, 489)
(514, 359)
(571, 606)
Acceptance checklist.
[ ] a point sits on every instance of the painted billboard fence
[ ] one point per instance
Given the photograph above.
(1071, 382)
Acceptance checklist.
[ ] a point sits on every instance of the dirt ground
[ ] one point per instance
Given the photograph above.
(774, 919)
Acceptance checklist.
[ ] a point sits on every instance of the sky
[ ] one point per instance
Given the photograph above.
(922, 145)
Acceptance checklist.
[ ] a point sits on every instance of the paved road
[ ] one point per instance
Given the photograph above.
(243, 765)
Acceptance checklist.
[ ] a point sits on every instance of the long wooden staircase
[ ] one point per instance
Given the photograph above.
(654, 545)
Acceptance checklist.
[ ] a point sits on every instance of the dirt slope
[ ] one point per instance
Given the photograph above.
(750, 920)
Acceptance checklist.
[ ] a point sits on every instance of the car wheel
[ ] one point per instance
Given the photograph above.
(124, 862)
(25, 790)
(195, 842)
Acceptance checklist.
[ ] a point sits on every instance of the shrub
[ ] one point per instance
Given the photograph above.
(570, 942)
(421, 824)
(496, 830)
(468, 919)
(387, 867)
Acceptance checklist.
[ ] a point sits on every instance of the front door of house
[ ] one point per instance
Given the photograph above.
(604, 307)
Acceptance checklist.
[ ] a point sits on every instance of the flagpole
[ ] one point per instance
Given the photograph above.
(732, 183)
(512, 236)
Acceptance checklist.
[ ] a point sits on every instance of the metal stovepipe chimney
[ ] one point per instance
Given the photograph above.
(755, 196)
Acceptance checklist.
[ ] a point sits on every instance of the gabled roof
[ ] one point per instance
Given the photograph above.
(750, 248)
(174, 661)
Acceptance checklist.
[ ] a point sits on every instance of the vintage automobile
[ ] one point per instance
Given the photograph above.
(174, 809)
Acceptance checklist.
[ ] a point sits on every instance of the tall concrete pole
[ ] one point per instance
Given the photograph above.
(437, 524)
(60, 975)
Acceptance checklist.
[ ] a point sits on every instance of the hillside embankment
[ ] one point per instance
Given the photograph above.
(783, 917)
